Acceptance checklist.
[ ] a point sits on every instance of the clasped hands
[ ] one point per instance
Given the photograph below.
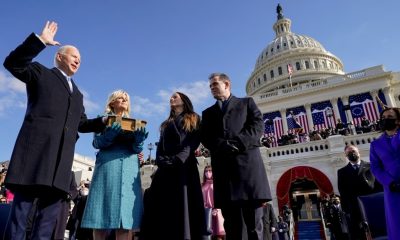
(229, 146)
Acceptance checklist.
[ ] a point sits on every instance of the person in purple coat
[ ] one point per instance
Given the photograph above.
(385, 165)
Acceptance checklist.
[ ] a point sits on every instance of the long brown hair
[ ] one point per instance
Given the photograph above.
(190, 118)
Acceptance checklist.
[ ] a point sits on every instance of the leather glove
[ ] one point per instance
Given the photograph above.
(229, 147)
(140, 135)
(112, 131)
(394, 186)
(167, 161)
(137, 148)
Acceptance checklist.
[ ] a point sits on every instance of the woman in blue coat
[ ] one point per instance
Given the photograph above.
(385, 165)
(175, 209)
(115, 196)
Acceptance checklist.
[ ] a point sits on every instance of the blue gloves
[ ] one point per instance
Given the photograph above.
(112, 131)
(140, 135)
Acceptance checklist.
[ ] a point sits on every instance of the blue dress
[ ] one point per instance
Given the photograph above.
(115, 195)
(385, 165)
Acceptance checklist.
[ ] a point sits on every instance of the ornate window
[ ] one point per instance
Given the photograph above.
(298, 66)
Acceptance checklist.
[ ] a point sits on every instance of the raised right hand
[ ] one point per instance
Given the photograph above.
(48, 33)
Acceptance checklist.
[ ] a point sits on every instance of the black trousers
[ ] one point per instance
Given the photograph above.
(33, 216)
(243, 220)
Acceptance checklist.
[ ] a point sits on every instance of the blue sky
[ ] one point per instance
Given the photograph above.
(153, 48)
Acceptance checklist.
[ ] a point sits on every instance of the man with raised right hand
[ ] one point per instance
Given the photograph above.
(40, 167)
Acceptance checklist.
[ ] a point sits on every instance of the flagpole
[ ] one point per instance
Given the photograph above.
(290, 80)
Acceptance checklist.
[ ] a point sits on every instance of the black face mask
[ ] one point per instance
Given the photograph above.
(353, 157)
(387, 124)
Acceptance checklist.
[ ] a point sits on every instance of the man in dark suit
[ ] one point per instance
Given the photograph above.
(40, 167)
(231, 129)
(269, 221)
(355, 179)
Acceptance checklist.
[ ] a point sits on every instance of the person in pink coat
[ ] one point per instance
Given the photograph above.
(215, 221)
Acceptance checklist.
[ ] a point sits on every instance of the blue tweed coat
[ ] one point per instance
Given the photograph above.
(115, 195)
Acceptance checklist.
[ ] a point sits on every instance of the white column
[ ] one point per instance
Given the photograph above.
(284, 121)
(387, 91)
(309, 117)
(335, 108)
(345, 100)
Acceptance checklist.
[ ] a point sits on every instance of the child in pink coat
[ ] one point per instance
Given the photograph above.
(215, 220)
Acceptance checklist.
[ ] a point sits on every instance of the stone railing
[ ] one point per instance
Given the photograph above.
(315, 84)
(332, 144)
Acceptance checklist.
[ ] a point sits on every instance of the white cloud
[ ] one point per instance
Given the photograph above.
(147, 108)
(90, 106)
(12, 93)
(198, 92)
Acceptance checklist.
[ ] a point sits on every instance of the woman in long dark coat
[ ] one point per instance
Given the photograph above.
(175, 209)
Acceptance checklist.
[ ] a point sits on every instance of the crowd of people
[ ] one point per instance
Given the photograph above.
(298, 135)
(232, 201)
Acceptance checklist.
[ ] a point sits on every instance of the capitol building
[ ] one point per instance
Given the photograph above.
(301, 87)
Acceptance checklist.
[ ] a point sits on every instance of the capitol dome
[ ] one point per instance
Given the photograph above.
(306, 57)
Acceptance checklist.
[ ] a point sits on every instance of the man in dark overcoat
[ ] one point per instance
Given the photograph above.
(354, 180)
(40, 167)
(269, 221)
(231, 129)
(337, 221)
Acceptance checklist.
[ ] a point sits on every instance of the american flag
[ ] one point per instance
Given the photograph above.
(298, 119)
(362, 105)
(290, 69)
(273, 126)
(319, 115)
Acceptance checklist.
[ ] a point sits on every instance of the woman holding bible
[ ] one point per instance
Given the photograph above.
(115, 196)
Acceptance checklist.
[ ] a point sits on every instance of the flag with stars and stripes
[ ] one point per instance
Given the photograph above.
(323, 115)
(362, 105)
(273, 126)
(297, 119)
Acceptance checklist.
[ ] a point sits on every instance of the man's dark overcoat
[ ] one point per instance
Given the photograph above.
(269, 221)
(239, 176)
(353, 183)
(44, 149)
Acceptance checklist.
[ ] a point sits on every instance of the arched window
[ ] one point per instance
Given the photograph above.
(307, 64)
(280, 70)
(316, 65)
(272, 73)
(298, 66)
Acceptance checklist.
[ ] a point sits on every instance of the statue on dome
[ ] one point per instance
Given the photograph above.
(279, 11)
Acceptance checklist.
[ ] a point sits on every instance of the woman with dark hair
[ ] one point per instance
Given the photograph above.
(175, 208)
(385, 165)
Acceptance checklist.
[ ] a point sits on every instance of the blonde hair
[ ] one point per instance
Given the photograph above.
(113, 96)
